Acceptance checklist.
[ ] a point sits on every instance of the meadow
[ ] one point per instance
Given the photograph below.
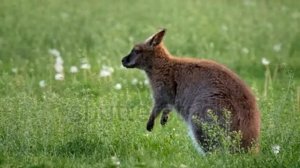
(65, 100)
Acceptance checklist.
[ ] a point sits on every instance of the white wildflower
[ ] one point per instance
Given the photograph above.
(111, 69)
(54, 52)
(275, 149)
(115, 161)
(134, 81)
(118, 86)
(277, 47)
(59, 76)
(58, 65)
(73, 69)
(146, 82)
(42, 83)
(58, 68)
(59, 60)
(85, 66)
(14, 70)
(106, 71)
(245, 50)
(264, 61)
(183, 166)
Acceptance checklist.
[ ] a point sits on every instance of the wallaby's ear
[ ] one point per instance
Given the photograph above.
(156, 39)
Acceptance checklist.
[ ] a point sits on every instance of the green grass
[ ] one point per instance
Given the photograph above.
(84, 121)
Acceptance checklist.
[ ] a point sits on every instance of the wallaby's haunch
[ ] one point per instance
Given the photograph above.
(193, 87)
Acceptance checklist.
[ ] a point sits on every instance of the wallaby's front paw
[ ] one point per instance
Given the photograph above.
(164, 119)
(150, 125)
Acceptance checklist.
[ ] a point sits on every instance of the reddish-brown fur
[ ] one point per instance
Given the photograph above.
(194, 86)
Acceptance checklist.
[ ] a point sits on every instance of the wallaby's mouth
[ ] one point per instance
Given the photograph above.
(127, 63)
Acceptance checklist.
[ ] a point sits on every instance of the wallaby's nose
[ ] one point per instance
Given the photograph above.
(124, 60)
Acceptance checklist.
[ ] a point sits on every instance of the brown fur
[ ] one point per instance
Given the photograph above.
(194, 86)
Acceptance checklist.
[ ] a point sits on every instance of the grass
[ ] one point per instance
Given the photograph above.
(83, 121)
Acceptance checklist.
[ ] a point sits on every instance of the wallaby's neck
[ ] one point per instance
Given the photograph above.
(161, 61)
(162, 51)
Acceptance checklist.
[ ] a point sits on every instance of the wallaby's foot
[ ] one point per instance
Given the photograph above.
(150, 125)
(165, 116)
(164, 119)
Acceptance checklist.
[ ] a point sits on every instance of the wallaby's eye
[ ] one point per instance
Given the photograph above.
(136, 51)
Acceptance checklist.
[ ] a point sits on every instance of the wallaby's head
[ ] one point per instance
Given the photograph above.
(143, 54)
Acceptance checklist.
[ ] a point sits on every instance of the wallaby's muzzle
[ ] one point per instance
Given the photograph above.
(128, 62)
(125, 61)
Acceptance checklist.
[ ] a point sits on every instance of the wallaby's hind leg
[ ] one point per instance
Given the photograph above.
(201, 122)
(194, 134)
(204, 141)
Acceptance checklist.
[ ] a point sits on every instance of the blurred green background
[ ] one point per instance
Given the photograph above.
(87, 120)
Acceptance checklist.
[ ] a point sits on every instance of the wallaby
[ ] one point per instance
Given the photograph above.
(193, 87)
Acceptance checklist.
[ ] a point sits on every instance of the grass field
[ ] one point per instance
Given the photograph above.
(86, 120)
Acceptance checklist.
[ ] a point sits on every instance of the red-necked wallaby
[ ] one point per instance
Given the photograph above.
(193, 87)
